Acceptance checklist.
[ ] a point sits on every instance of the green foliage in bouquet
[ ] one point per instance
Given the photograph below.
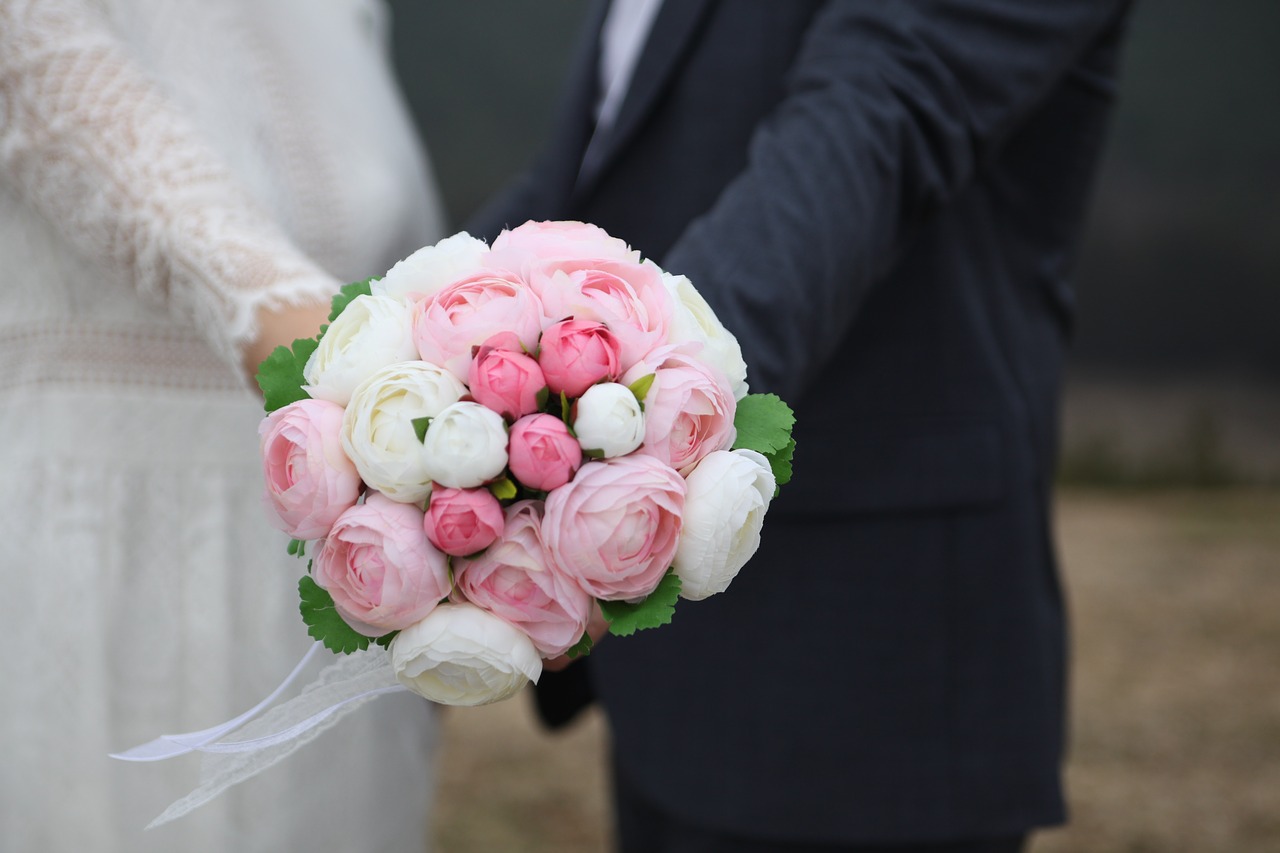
(347, 294)
(324, 623)
(640, 388)
(504, 489)
(764, 425)
(654, 611)
(280, 374)
(582, 648)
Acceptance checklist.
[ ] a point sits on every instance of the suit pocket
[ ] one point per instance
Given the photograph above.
(900, 464)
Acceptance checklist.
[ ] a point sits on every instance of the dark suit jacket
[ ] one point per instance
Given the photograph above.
(881, 200)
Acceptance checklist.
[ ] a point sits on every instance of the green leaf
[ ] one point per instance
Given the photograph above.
(297, 547)
(420, 427)
(347, 295)
(593, 453)
(280, 374)
(324, 623)
(504, 489)
(780, 462)
(656, 610)
(564, 407)
(385, 639)
(641, 387)
(763, 423)
(582, 648)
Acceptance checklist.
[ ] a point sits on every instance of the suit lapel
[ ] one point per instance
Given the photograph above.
(669, 39)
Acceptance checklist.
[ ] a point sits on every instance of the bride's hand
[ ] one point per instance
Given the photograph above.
(281, 327)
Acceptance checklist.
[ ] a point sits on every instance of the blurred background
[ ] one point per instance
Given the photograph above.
(1169, 499)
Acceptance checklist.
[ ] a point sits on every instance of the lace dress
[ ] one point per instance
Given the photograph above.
(166, 167)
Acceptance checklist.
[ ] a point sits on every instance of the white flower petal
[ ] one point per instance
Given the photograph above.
(462, 655)
(377, 427)
(432, 268)
(728, 495)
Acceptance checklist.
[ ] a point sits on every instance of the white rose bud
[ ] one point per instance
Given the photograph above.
(693, 320)
(609, 419)
(728, 495)
(432, 268)
(378, 432)
(462, 655)
(370, 333)
(466, 446)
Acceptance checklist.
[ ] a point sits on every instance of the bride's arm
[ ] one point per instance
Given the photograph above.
(93, 144)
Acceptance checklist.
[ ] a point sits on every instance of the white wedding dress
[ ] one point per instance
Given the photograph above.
(166, 167)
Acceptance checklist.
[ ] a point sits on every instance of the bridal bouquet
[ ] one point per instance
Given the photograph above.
(489, 443)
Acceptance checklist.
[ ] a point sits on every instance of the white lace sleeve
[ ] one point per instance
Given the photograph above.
(94, 145)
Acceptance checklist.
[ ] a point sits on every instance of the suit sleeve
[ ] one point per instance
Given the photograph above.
(891, 110)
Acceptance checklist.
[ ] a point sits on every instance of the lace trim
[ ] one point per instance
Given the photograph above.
(91, 143)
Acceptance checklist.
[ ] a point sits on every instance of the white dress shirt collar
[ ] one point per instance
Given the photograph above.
(626, 27)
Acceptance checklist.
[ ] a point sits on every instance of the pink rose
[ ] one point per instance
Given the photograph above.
(630, 298)
(447, 325)
(507, 340)
(576, 354)
(541, 452)
(379, 567)
(462, 521)
(505, 380)
(309, 480)
(688, 411)
(615, 527)
(516, 580)
(536, 242)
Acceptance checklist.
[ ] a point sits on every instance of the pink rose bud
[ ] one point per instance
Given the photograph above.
(379, 568)
(541, 453)
(507, 340)
(629, 298)
(462, 521)
(615, 528)
(505, 380)
(309, 480)
(576, 354)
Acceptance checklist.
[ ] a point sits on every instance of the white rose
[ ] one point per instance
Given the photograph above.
(466, 446)
(371, 332)
(728, 495)
(432, 268)
(377, 427)
(693, 320)
(609, 419)
(462, 655)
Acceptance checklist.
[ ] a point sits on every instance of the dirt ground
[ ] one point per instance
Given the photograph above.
(1176, 698)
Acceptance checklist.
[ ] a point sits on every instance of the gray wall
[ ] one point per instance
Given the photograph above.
(481, 77)
(1181, 269)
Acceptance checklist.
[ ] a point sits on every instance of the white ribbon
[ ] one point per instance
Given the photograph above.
(339, 689)
(168, 746)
